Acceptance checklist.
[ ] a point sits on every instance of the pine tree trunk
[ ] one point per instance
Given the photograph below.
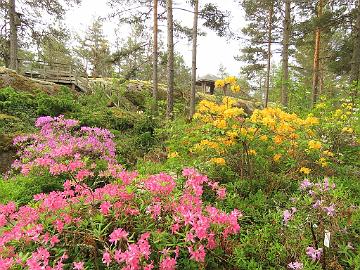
(316, 65)
(267, 89)
(170, 64)
(355, 62)
(13, 36)
(155, 58)
(285, 55)
(194, 52)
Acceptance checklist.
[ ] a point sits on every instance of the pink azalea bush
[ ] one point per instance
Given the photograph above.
(62, 148)
(127, 223)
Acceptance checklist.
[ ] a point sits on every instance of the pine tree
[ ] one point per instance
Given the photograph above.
(94, 50)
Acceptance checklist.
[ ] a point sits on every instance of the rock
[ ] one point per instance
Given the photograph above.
(10, 78)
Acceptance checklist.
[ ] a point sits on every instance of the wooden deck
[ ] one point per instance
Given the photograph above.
(56, 73)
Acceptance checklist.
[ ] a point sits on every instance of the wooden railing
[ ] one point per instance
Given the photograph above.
(59, 73)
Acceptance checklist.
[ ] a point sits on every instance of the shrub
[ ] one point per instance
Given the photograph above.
(325, 224)
(125, 222)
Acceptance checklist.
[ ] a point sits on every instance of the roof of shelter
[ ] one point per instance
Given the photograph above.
(207, 78)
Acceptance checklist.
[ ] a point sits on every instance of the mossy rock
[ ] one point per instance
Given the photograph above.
(10, 78)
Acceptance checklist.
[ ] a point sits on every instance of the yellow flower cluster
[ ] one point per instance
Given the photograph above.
(231, 80)
(305, 170)
(173, 155)
(218, 114)
(315, 145)
(278, 136)
(218, 161)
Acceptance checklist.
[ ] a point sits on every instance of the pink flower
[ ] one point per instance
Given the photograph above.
(5, 264)
(168, 264)
(118, 234)
(197, 255)
(288, 215)
(221, 193)
(160, 184)
(330, 211)
(106, 259)
(78, 265)
(54, 240)
(105, 208)
(314, 254)
(295, 265)
(305, 184)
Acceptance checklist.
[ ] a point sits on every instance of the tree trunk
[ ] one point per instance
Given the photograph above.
(13, 35)
(267, 90)
(155, 58)
(316, 65)
(355, 62)
(194, 52)
(170, 64)
(285, 55)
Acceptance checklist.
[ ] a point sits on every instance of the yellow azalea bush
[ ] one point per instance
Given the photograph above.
(269, 138)
(228, 81)
(340, 128)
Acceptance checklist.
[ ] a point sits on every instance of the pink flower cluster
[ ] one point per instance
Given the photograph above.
(114, 219)
(60, 215)
(313, 253)
(317, 192)
(61, 147)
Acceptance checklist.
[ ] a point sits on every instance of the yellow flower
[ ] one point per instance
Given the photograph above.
(314, 145)
(310, 120)
(305, 170)
(220, 124)
(235, 88)
(328, 153)
(263, 138)
(338, 113)
(323, 162)
(232, 134)
(278, 139)
(219, 83)
(277, 157)
(294, 136)
(252, 152)
(347, 130)
(173, 155)
(243, 131)
(218, 161)
(320, 106)
(230, 80)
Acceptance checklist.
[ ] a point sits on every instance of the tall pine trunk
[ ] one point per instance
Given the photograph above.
(155, 58)
(13, 36)
(267, 89)
(170, 64)
(285, 54)
(194, 53)
(355, 61)
(316, 65)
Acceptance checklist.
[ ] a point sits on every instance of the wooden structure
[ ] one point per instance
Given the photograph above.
(64, 74)
(207, 83)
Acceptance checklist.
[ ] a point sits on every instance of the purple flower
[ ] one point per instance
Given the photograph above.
(317, 204)
(314, 254)
(330, 211)
(288, 214)
(295, 265)
(305, 184)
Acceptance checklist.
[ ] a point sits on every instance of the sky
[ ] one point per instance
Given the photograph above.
(213, 51)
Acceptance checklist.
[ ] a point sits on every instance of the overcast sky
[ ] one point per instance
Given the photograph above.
(212, 50)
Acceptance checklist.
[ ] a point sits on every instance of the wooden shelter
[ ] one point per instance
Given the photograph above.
(207, 83)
